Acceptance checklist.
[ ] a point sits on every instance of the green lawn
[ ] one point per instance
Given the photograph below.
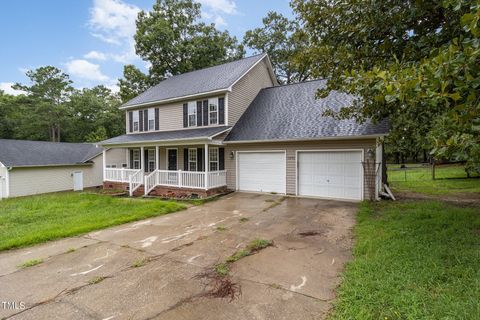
(413, 260)
(450, 180)
(30, 220)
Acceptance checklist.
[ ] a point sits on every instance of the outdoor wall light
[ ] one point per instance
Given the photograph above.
(232, 155)
(370, 154)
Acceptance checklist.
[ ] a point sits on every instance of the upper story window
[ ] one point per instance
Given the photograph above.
(143, 120)
(136, 120)
(192, 114)
(213, 111)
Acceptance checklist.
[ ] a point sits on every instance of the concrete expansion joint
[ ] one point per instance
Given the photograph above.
(285, 289)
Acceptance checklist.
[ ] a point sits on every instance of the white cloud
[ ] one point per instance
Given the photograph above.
(219, 21)
(214, 10)
(224, 6)
(7, 88)
(113, 21)
(96, 55)
(85, 70)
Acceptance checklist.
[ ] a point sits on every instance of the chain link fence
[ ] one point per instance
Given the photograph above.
(424, 171)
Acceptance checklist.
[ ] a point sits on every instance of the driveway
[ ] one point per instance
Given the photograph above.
(148, 269)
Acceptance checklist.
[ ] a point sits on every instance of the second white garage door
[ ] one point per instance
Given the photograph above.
(261, 171)
(330, 174)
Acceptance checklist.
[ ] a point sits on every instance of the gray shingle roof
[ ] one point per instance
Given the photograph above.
(196, 82)
(18, 153)
(292, 112)
(186, 134)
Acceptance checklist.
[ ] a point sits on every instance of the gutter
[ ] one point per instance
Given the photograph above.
(164, 101)
(373, 136)
(51, 165)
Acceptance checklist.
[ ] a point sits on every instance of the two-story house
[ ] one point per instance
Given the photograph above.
(233, 127)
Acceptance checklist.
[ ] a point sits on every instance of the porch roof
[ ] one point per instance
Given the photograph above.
(166, 136)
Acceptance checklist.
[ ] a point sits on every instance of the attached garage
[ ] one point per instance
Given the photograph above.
(330, 174)
(262, 171)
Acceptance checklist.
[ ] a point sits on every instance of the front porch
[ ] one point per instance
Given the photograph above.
(158, 170)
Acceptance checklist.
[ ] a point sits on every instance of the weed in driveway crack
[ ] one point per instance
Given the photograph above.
(274, 203)
(218, 279)
(30, 263)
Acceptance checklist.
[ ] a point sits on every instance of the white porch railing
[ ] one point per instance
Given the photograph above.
(135, 181)
(185, 179)
(217, 179)
(179, 179)
(119, 175)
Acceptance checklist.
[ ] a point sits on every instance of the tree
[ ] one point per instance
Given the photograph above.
(94, 114)
(174, 41)
(415, 62)
(133, 83)
(284, 41)
(45, 104)
(6, 110)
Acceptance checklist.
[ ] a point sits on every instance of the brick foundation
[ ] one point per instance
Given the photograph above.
(167, 192)
(177, 193)
(115, 185)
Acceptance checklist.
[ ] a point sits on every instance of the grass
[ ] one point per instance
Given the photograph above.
(31, 220)
(450, 180)
(413, 260)
(223, 269)
(30, 263)
(244, 219)
(139, 263)
(96, 280)
(221, 228)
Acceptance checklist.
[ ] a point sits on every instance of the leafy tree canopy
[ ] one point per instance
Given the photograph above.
(173, 40)
(415, 62)
(284, 41)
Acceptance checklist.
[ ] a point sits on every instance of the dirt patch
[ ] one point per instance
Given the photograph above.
(308, 234)
(462, 199)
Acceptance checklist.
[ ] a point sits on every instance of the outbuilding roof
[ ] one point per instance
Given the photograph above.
(26, 153)
(165, 136)
(291, 112)
(216, 78)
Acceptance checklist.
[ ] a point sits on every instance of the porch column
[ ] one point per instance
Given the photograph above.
(142, 159)
(207, 165)
(157, 156)
(104, 156)
(127, 154)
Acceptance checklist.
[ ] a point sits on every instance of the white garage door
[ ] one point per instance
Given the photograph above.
(336, 174)
(261, 171)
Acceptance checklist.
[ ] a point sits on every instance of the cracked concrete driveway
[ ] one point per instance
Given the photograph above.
(147, 269)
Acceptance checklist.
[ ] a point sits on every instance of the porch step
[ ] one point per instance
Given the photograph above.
(140, 192)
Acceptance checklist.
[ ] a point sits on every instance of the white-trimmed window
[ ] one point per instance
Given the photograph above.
(192, 114)
(124, 165)
(213, 159)
(151, 160)
(151, 119)
(192, 159)
(136, 159)
(213, 111)
(135, 121)
(111, 165)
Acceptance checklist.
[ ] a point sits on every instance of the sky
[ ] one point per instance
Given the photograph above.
(91, 40)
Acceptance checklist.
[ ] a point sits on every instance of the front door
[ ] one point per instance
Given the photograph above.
(172, 159)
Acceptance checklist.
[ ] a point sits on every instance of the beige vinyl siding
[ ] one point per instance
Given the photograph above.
(171, 115)
(3, 182)
(246, 89)
(115, 156)
(36, 180)
(29, 181)
(291, 148)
